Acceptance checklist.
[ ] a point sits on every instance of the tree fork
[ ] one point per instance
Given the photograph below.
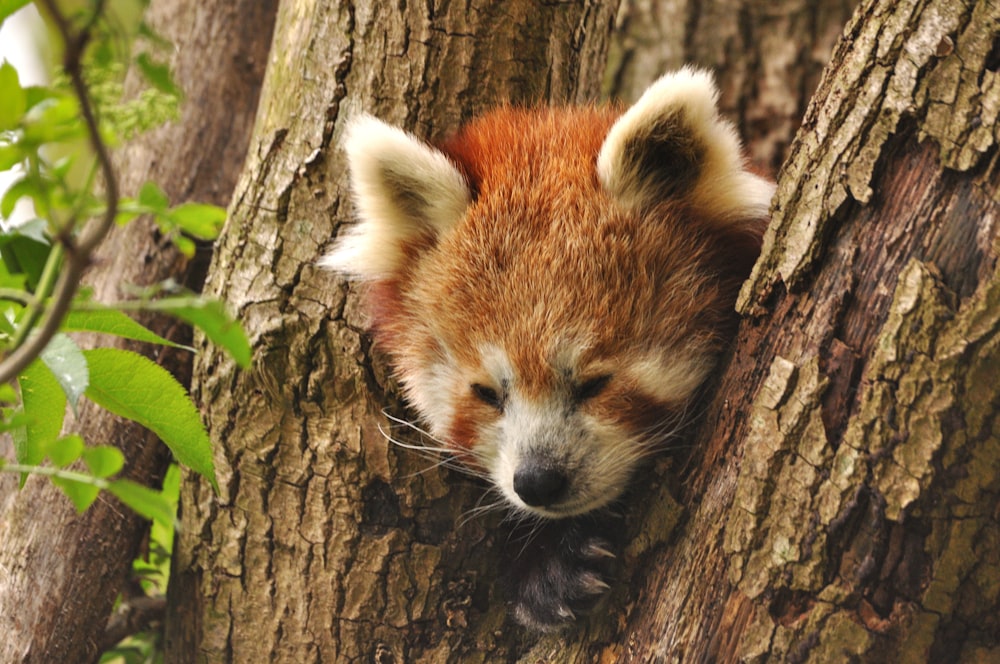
(845, 503)
(326, 544)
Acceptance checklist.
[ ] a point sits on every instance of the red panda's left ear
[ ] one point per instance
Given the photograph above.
(405, 191)
(673, 145)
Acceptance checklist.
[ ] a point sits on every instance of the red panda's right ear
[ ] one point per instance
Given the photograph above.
(404, 191)
(673, 144)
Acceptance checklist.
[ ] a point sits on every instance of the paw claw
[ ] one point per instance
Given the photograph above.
(597, 550)
(592, 584)
(563, 575)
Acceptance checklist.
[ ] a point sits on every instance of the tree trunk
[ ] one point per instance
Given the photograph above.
(844, 505)
(845, 468)
(767, 56)
(62, 571)
(326, 543)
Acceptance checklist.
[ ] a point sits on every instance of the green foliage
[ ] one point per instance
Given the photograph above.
(135, 387)
(149, 109)
(211, 318)
(43, 404)
(8, 7)
(142, 648)
(179, 223)
(112, 321)
(55, 137)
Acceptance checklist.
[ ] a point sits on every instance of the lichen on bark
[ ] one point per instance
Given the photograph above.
(771, 527)
(898, 60)
(897, 533)
(922, 442)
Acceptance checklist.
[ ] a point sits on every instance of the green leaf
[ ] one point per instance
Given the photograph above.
(137, 388)
(66, 450)
(198, 219)
(15, 282)
(112, 321)
(14, 101)
(25, 187)
(36, 94)
(161, 536)
(103, 460)
(53, 119)
(145, 501)
(7, 314)
(184, 244)
(7, 393)
(61, 168)
(67, 363)
(8, 7)
(13, 420)
(157, 74)
(81, 493)
(10, 156)
(44, 404)
(34, 229)
(151, 196)
(128, 210)
(23, 255)
(213, 319)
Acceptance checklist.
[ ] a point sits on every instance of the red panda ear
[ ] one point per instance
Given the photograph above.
(672, 144)
(404, 191)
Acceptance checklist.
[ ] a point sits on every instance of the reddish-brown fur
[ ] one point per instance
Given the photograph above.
(553, 286)
(544, 260)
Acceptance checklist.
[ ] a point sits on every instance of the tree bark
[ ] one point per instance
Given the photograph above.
(844, 505)
(62, 571)
(767, 56)
(845, 467)
(325, 543)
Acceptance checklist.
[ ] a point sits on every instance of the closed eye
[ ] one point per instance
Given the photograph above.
(488, 396)
(590, 388)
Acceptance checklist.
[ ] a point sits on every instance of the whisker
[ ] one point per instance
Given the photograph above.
(441, 456)
(443, 447)
(423, 432)
(480, 509)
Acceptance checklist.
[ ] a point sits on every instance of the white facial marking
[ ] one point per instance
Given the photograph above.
(596, 457)
(671, 376)
(429, 391)
(496, 364)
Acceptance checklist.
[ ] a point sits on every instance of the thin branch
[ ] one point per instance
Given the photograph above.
(59, 473)
(78, 250)
(16, 295)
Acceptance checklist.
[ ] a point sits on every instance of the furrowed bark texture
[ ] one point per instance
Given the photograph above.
(326, 543)
(60, 572)
(767, 56)
(845, 508)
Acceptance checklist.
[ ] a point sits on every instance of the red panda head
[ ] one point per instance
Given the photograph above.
(553, 285)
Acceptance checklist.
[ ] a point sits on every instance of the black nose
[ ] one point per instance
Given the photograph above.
(540, 485)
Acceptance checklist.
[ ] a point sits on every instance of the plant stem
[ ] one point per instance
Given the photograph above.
(49, 471)
(37, 304)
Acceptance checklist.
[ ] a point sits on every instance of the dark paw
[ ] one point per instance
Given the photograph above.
(560, 571)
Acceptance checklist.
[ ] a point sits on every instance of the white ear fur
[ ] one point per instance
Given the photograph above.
(672, 142)
(403, 188)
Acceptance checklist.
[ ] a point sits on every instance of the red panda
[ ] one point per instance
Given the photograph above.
(552, 286)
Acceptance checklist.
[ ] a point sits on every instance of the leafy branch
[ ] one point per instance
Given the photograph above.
(43, 262)
(58, 139)
(77, 250)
